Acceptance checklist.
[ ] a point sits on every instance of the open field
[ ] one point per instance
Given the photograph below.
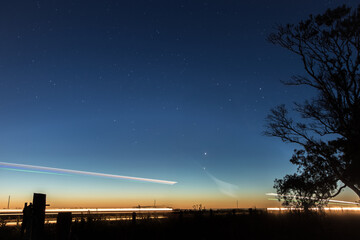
(210, 225)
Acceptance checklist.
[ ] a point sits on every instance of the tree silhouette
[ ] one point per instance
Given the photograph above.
(328, 131)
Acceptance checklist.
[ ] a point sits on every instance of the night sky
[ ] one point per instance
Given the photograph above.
(155, 89)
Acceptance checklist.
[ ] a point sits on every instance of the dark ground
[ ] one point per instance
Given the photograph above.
(204, 225)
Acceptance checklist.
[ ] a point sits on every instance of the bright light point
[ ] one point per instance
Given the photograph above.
(59, 170)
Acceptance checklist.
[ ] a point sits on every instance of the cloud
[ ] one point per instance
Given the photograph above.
(224, 187)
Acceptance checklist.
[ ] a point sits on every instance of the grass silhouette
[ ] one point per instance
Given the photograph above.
(211, 225)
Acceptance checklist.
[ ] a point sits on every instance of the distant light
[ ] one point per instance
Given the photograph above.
(59, 170)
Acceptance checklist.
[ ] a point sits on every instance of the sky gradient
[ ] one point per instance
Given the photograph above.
(171, 90)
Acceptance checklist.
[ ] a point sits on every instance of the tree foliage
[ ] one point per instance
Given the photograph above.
(329, 130)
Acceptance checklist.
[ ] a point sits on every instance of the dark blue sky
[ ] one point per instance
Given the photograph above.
(146, 88)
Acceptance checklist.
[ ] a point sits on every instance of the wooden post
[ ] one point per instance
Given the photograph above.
(63, 225)
(26, 225)
(39, 205)
(134, 217)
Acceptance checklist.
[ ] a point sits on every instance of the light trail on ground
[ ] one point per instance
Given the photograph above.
(331, 201)
(89, 210)
(316, 209)
(50, 170)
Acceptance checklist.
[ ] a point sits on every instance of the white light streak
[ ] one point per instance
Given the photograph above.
(108, 210)
(326, 209)
(333, 201)
(59, 170)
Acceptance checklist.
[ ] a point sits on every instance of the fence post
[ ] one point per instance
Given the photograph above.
(63, 225)
(38, 216)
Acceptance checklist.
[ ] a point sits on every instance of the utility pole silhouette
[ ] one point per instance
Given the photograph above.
(9, 202)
